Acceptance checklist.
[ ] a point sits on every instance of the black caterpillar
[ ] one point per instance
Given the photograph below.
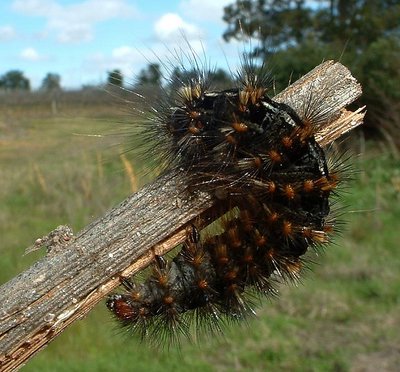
(272, 187)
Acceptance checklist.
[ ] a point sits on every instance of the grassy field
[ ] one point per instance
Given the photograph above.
(345, 316)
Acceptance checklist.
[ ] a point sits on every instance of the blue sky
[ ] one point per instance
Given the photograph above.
(83, 39)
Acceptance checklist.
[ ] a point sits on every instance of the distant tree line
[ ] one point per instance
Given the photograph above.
(51, 82)
(15, 80)
(115, 78)
(152, 75)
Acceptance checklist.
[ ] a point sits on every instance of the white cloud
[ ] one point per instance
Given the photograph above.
(74, 22)
(35, 7)
(7, 33)
(204, 10)
(30, 54)
(71, 33)
(124, 52)
(125, 58)
(171, 27)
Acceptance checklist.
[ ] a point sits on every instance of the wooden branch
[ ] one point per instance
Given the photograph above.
(64, 286)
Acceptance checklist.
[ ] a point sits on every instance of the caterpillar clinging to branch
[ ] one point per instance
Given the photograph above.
(273, 186)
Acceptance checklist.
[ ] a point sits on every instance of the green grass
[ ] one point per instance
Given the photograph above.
(345, 316)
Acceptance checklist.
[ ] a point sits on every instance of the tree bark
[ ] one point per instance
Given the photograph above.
(64, 286)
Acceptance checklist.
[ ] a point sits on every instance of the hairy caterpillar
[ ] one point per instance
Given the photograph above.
(273, 187)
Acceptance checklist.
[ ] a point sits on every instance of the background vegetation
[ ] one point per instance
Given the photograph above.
(297, 35)
(345, 316)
